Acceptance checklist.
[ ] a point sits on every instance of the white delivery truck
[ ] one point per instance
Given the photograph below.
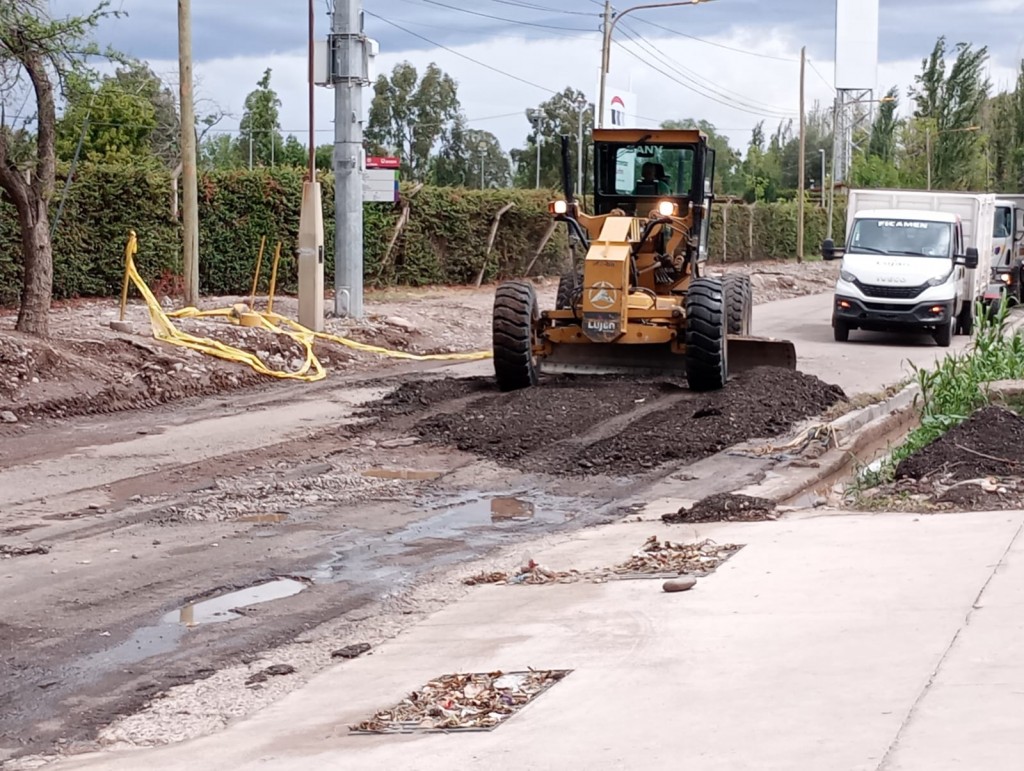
(914, 260)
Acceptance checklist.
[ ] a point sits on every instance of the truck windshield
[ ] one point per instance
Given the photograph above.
(647, 170)
(1004, 222)
(904, 237)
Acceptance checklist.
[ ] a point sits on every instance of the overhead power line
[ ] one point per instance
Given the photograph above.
(717, 44)
(545, 9)
(461, 55)
(690, 86)
(507, 20)
(703, 83)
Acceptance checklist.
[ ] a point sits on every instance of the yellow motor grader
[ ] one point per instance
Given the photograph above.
(640, 303)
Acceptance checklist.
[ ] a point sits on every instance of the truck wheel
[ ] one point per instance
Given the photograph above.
(840, 331)
(944, 335)
(706, 355)
(515, 314)
(739, 303)
(965, 322)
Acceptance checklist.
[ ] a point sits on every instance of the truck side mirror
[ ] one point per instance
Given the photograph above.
(828, 249)
(971, 258)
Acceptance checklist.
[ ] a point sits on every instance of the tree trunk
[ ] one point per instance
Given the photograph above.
(37, 289)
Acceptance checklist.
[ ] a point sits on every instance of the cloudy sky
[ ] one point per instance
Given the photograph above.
(732, 62)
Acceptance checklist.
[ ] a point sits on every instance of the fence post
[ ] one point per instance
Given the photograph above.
(750, 231)
(725, 232)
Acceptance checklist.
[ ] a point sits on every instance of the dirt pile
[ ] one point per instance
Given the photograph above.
(989, 443)
(609, 425)
(724, 507)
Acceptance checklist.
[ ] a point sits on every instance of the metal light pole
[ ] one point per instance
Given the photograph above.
(536, 118)
(482, 147)
(610, 20)
(349, 49)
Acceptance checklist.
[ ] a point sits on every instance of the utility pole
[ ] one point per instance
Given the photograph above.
(606, 45)
(821, 151)
(928, 152)
(190, 195)
(579, 147)
(801, 166)
(349, 50)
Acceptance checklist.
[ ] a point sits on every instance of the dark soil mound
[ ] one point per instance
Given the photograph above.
(989, 443)
(724, 507)
(623, 426)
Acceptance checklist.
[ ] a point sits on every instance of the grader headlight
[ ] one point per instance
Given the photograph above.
(667, 208)
(558, 207)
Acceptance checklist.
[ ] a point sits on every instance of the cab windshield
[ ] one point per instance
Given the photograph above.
(912, 238)
(649, 170)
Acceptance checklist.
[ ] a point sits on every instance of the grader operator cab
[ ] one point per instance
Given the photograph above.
(640, 302)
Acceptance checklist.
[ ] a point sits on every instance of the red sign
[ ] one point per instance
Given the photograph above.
(378, 162)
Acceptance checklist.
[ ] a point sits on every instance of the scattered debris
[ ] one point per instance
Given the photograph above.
(460, 702)
(274, 670)
(654, 559)
(7, 551)
(725, 507)
(351, 651)
(8, 417)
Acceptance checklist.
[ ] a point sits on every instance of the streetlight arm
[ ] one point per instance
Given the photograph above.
(651, 6)
(606, 52)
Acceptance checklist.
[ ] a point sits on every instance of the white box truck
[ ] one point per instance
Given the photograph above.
(913, 260)
(1005, 280)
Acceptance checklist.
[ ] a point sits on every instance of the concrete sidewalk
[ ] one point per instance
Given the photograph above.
(833, 642)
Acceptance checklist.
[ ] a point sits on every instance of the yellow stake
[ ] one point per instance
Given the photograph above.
(256, 275)
(273, 279)
(129, 251)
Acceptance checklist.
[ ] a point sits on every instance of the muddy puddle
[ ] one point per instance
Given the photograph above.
(455, 529)
(170, 631)
(403, 473)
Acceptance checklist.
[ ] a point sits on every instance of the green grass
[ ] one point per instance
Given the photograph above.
(954, 388)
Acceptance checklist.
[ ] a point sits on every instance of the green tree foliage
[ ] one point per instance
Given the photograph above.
(259, 139)
(762, 167)
(414, 118)
(481, 160)
(561, 115)
(37, 54)
(883, 132)
(949, 108)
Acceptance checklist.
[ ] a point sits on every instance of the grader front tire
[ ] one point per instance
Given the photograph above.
(515, 315)
(707, 366)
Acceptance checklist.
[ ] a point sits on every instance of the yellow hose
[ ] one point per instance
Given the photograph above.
(311, 370)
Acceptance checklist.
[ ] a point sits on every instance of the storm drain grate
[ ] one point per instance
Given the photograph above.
(462, 702)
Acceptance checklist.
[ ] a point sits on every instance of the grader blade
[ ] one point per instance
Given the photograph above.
(612, 359)
(748, 352)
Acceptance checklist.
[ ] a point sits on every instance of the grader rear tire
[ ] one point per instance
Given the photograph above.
(707, 367)
(739, 304)
(515, 315)
(567, 286)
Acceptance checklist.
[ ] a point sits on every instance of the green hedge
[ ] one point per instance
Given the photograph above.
(442, 243)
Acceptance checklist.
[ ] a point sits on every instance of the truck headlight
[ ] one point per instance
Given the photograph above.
(940, 280)
(845, 275)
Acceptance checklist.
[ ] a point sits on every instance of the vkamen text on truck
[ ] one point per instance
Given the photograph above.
(913, 261)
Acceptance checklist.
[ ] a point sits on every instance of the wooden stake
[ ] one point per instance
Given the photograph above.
(256, 274)
(490, 241)
(802, 164)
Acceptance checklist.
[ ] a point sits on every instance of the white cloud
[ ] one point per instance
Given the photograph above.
(737, 81)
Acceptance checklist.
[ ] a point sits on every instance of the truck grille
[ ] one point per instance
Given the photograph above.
(891, 292)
